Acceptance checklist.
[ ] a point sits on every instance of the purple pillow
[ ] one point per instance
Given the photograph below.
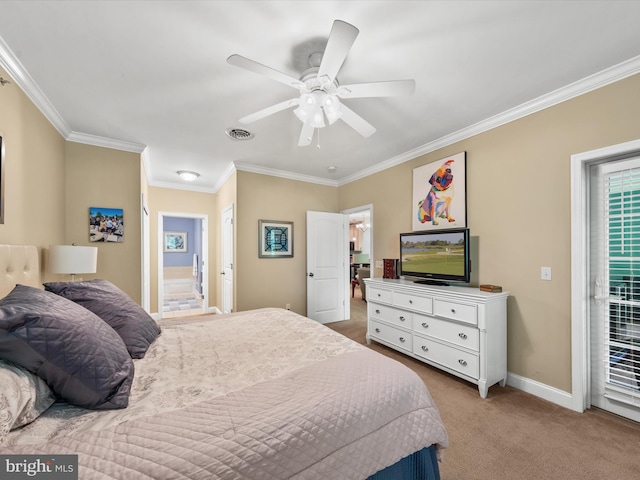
(135, 326)
(80, 357)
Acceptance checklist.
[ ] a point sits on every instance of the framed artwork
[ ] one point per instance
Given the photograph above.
(275, 239)
(175, 242)
(440, 194)
(1, 178)
(106, 224)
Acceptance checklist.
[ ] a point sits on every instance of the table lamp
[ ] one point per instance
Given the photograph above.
(72, 259)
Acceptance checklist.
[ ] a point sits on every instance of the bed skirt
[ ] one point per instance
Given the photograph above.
(422, 465)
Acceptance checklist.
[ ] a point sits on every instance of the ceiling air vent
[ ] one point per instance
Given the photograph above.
(238, 134)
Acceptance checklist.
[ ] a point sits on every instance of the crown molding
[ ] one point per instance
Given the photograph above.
(182, 186)
(230, 170)
(284, 174)
(19, 74)
(575, 89)
(106, 142)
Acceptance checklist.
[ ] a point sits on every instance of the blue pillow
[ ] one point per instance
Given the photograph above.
(135, 326)
(82, 359)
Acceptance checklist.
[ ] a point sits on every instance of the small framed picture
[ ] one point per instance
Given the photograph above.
(275, 239)
(175, 241)
(106, 224)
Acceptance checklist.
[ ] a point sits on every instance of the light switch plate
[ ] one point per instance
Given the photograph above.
(545, 273)
(379, 264)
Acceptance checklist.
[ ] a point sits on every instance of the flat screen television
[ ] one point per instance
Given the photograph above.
(437, 257)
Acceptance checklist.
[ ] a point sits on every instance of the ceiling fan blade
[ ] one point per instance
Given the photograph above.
(340, 41)
(253, 66)
(306, 135)
(356, 122)
(391, 88)
(265, 112)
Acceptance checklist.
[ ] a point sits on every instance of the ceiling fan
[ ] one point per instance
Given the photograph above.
(320, 92)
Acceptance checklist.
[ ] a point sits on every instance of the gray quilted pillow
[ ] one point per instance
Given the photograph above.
(136, 327)
(82, 359)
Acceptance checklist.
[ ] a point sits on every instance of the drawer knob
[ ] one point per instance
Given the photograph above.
(463, 336)
(377, 330)
(402, 319)
(453, 310)
(410, 302)
(425, 325)
(425, 348)
(462, 362)
(377, 311)
(378, 294)
(402, 339)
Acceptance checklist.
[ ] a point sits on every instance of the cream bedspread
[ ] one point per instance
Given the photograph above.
(261, 394)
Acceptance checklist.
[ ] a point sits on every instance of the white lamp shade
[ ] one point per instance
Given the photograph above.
(72, 259)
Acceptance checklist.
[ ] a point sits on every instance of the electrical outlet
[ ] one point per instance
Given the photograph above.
(288, 306)
(545, 273)
(379, 264)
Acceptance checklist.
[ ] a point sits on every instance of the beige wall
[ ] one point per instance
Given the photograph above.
(274, 282)
(103, 177)
(34, 174)
(519, 212)
(170, 200)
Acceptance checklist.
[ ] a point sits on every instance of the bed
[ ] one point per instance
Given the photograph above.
(262, 394)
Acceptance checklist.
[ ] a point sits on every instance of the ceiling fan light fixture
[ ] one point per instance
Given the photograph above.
(302, 114)
(314, 106)
(188, 176)
(317, 120)
(332, 108)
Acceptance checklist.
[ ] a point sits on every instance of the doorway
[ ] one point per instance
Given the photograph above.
(604, 353)
(183, 280)
(360, 248)
(614, 315)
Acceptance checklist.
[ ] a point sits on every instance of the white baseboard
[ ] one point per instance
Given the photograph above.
(551, 394)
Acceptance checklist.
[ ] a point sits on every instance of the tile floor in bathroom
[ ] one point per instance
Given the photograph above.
(181, 307)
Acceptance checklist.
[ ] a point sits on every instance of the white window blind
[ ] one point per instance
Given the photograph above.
(621, 242)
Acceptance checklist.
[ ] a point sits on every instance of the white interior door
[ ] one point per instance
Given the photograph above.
(614, 314)
(327, 266)
(146, 257)
(227, 260)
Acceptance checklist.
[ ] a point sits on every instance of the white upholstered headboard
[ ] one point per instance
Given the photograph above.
(18, 264)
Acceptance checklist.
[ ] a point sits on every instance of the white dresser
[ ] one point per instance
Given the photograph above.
(461, 330)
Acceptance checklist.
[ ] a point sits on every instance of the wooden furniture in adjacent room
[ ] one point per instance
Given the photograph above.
(461, 330)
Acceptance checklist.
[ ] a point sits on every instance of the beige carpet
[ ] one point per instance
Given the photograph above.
(513, 435)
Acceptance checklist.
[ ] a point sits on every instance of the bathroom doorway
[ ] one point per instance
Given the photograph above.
(182, 263)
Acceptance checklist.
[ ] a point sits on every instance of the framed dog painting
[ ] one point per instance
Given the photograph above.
(440, 194)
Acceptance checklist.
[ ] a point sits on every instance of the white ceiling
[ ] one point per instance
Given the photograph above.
(136, 74)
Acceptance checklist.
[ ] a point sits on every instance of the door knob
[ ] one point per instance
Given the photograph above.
(311, 274)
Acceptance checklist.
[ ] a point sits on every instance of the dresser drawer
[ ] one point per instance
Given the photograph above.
(462, 312)
(377, 295)
(395, 336)
(463, 362)
(423, 304)
(396, 316)
(457, 333)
